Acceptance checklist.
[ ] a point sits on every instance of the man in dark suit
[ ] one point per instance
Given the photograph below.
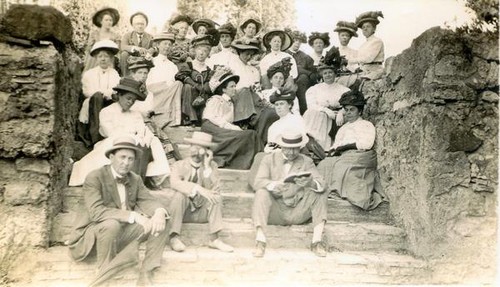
(119, 213)
(135, 43)
(307, 74)
(279, 201)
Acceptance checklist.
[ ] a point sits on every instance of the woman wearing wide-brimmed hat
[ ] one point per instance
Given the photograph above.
(117, 120)
(139, 68)
(371, 54)
(347, 30)
(195, 76)
(97, 88)
(224, 54)
(161, 82)
(235, 147)
(276, 42)
(104, 19)
(323, 108)
(353, 147)
(319, 42)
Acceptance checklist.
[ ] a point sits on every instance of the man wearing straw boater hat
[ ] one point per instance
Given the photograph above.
(196, 199)
(289, 190)
(119, 213)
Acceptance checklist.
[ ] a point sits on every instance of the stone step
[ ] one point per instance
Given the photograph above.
(239, 205)
(202, 266)
(240, 233)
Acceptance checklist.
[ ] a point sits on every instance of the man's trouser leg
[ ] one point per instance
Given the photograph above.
(177, 208)
(208, 212)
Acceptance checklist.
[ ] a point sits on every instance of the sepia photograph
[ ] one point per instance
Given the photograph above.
(248, 142)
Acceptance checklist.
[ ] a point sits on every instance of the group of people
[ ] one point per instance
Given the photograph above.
(295, 120)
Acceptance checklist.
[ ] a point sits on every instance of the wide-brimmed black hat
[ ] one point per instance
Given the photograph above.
(135, 63)
(282, 95)
(97, 17)
(203, 22)
(371, 16)
(249, 20)
(222, 75)
(317, 35)
(181, 18)
(286, 39)
(137, 14)
(246, 44)
(227, 28)
(130, 85)
(349, 27)
(352, 98)
(284, 66)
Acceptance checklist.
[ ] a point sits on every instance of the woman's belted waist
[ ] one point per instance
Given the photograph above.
(374, 63)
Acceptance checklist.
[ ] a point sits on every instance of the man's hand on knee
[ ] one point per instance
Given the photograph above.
(211, 196)
(144, 222)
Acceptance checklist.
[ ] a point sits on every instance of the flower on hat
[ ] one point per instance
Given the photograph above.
(217, 77)
(332, 60)
(284, 66)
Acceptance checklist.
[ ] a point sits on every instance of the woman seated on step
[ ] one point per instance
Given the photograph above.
(117, 120)
(351, 170)
(235, 147)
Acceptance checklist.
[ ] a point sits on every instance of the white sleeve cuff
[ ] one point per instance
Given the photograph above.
(271, 186)
(131, 217)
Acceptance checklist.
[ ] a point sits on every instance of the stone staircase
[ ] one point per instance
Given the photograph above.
(372, 250)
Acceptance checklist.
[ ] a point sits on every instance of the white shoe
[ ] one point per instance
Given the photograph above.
(218, 244)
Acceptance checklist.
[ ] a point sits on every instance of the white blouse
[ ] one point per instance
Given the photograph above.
(220, 111)
(286, 123)
(99, 80)
(275, 56)
(113, 121)
(223, 58)
(324, 95)
(163, 72)
(360, 132)
(371, 51)
(249, 75)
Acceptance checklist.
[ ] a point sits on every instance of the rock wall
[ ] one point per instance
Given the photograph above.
(39, 89)
(436, 114)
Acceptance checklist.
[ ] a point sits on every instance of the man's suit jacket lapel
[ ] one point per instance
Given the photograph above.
(133, 39)
(111, 187)
(278, 168)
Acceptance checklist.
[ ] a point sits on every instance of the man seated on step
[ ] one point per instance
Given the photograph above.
(119, 213)
(196, 199)
(289, 190)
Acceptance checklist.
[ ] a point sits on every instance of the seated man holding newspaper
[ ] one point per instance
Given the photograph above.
(289, 190)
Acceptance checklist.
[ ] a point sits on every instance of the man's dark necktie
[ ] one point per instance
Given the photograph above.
(123, 180)
(195, 177)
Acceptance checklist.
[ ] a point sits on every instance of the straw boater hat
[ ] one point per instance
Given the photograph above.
(107, 45)
(281, 95)
(222, 75)
(229, 29)
(371, 16)
(284, 66)
(246, 44)
(130, 85)
(203, 22)
(137, 14)
(180, 18)
(316, 35)
(249, 20)
(352, 98)
(291, 139)
(97, 17)
(164, 35)
(201, 139)
(286, 39)
(123, 142)
(349, 27)
(135, 63)
(297, 35)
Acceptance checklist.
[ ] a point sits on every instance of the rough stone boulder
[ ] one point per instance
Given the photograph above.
(436, 114)
(35, 23)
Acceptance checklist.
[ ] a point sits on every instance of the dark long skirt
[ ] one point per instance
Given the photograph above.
(264, 118)
(235, 149)
(244, 103)
(189, 93)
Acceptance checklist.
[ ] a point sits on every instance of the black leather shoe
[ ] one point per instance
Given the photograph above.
(319, 249)
(260, 249)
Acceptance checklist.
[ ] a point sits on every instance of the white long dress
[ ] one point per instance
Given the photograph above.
(320, 97)
(115, 123)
